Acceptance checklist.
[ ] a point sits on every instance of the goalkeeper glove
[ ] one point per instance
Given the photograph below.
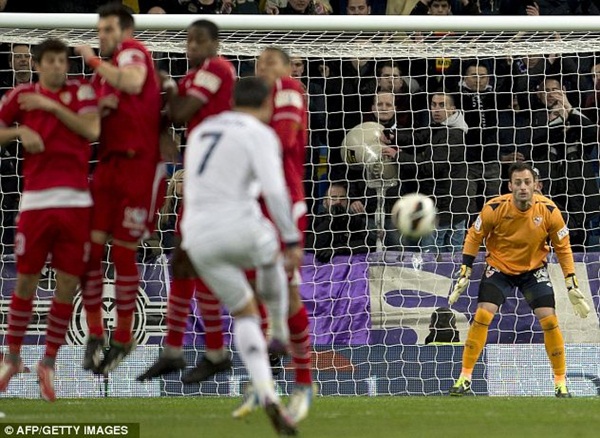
(580, 307)
(461, 284)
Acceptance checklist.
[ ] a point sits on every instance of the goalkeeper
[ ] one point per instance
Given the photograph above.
(516, 228)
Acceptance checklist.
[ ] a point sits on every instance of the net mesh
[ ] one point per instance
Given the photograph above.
(369, 292)
(333, 45)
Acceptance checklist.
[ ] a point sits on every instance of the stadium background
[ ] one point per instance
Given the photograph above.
(369, 313)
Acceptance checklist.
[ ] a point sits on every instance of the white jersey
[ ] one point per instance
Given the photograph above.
(232, 158)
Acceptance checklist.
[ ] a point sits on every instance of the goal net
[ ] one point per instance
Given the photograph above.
(453, 108)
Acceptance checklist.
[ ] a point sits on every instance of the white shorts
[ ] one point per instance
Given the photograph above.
(222, 252)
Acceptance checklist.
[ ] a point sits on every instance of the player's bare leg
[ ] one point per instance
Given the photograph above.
(19, 315)
(92, 284)
(58, 324)
(182, 289)
(126, 289)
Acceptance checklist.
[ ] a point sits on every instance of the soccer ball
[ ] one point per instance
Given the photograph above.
(415, 215)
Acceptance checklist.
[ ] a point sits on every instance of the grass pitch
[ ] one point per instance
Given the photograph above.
(335, 417)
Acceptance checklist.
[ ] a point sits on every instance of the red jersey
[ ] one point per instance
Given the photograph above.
(289, 105)
(132, 129)
(64, 163)
(212, 83)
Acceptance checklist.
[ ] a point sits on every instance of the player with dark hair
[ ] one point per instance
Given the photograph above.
(289, 121)
(516, 228)
(206, 90)
(358, 7)
(128, 179)
(57, 118)
(231, 153)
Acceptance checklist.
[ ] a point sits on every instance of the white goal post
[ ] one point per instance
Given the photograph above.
(371, 311)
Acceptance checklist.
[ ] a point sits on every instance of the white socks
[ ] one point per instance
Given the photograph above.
(272, 285)
(252, 347)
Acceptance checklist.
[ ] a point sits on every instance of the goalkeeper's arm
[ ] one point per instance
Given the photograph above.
(480, 228)
(559, 235)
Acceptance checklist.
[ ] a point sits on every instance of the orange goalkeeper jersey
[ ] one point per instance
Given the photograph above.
(517, 241)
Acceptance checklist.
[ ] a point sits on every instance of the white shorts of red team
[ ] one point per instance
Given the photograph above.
(61, 234)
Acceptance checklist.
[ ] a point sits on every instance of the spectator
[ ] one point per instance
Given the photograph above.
(337, 231)
(479, 104)
(444, 7)
(21, 67)
(316, 101)
(349, 86)
(186, 6)
(521, 76)
(564, 141)
(547, 7)
(591, 103)
(298, 7)
(363, 198)
(442, 328)
(389, 79)
(45, 6)
(317, 124)
(358, 7)
(11, 155)
(440, 170)
(383, 111)
(400, 7)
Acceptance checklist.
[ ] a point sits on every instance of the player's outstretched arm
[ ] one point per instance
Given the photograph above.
(128, 78)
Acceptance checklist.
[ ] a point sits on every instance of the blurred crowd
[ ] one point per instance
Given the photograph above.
(314, 7)
(450, 128)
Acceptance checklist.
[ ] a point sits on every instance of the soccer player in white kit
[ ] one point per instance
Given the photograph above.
(231, 159)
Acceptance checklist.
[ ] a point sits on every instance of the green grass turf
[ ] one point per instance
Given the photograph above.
(339, 417)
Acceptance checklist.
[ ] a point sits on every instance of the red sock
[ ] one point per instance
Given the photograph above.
(264, 318)
(126, 287)
(210, 308)
(58, 324)
(19, 315)
(92, 291)
(300, 344)
(178, 309)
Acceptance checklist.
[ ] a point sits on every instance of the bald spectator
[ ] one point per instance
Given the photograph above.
(362, 198)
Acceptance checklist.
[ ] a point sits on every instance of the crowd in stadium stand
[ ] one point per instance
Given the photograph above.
(452, 126)
(317, 7)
